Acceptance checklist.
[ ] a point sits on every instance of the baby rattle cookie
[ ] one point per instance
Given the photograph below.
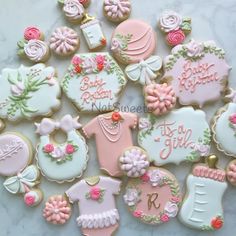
(174, 26)
(231, 172)
(98, 213)
(15, 156)
(93, 82)
(32, 46)
(64, 41)
(61, 162)
(28, 92)
(194, 69)
(57, 210)
(113, 131)
(154, 198)
(181, 135)
(133, 41)
(117, 10)
(202, 205)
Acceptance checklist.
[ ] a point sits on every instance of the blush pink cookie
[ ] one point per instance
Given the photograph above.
(133, 41)
(154, 198)
(231, 172)
(194, 69)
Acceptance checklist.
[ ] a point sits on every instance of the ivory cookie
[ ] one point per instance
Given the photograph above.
(194, 69)
(154, 198)
(202, 205)
(28, 92)
(180, 135)
(93, 82)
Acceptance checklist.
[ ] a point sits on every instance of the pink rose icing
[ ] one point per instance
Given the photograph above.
(165, 218)
(176, 37)
(29, 200)
(48, 148)
(232, 118)
(32, 33)
(70, 149)
(95, 193)
(231, 172)
(57, 210)
(32, 198)
(160, 98)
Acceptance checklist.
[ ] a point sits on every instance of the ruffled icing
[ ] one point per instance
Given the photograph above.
(206, 172)
(231, 173)
(73, 10)
(64, 41)
(98, 220)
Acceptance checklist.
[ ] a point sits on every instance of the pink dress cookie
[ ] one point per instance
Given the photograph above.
(133, 41)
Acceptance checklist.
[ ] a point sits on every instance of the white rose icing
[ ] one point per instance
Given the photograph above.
(156, 177)
(73, 10)
(36, 50)
(64, 41)
(171, 209)
(194, 49)
(170, 21)
(131, 196)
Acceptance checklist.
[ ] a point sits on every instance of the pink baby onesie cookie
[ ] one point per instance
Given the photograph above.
(231, 172)
(133, 41)
(154, 198)
(112, 132)
(194, 69)
(98, 213)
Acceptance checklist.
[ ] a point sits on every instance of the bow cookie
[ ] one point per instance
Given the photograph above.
(22, 182)
(145, 71)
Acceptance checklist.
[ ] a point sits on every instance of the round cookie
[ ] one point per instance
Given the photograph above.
(117, 10)
(64, 41)
(154, 198)
(133, 41)
(194, 69)
(231, 172)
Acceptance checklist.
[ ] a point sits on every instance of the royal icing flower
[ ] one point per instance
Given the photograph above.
(203, 149)
(29, 200)
(217, 222)
(145, 178)
(156, 177)
(175, 199)
(194, 49)
(32, 198)
(73, 10)
(116, 45)
(144, 123)
(70, 149)
(175, 37)
(131, 196)
(58, 153)
(76, 60)
(137, 214)
(17, 89)
(171, 209)
(160, 98)
(96, 194)
(32, 33)
(103, 41)
(84, 2)
(170, 21)
(232, 118)
(100, 59)
(116, 117)
(57, 210)
(164, 218)
(89, 65)
(48, 148)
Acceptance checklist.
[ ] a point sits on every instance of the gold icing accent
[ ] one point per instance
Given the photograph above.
(92, 180)
(87, 18)
(152, 198)
(212, 161)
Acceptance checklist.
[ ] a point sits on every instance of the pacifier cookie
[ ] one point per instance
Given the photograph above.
(181, 135)
(61, 162)
(32, 46)
(202, 206)
(231, 172)
(194, 69)
(28, 92)
(93, 82)
(154, 198)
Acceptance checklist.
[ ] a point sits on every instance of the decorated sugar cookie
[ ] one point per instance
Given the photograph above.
(98, 213)
(117, 10)
(113, 131)
(194, 69)
(175, 26)
(133, 41)
(57, 210)
(224, 125)
(32, 46)
(202, 205)
(231, 172)
(93, 82)
(154, 198)
(28, 92)
(93, 34)
(15, 156)
(180, 135)
(64, 41)
(61, 162)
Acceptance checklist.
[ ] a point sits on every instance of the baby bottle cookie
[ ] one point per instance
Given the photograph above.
(61, 162)
(15, 156)
(154, 198)
(194, 69)
(180, 135)
(98, 213)
(28, 92)
(202, 206)
(93, 82)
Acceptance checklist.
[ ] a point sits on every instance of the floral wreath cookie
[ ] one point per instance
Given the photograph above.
(15, 156)
(93, 82)
(180, 135)
(175, 26)
(231, 172)
(61, 162)
(23, 92)
(224, 125)
(32, 46)
(202, 205)
(154, 198)
(194, 69)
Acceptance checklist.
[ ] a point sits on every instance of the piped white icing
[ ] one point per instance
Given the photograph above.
(73, 10)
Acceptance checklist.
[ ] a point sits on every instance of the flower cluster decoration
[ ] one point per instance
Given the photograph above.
(96, 194)
(232, 122)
